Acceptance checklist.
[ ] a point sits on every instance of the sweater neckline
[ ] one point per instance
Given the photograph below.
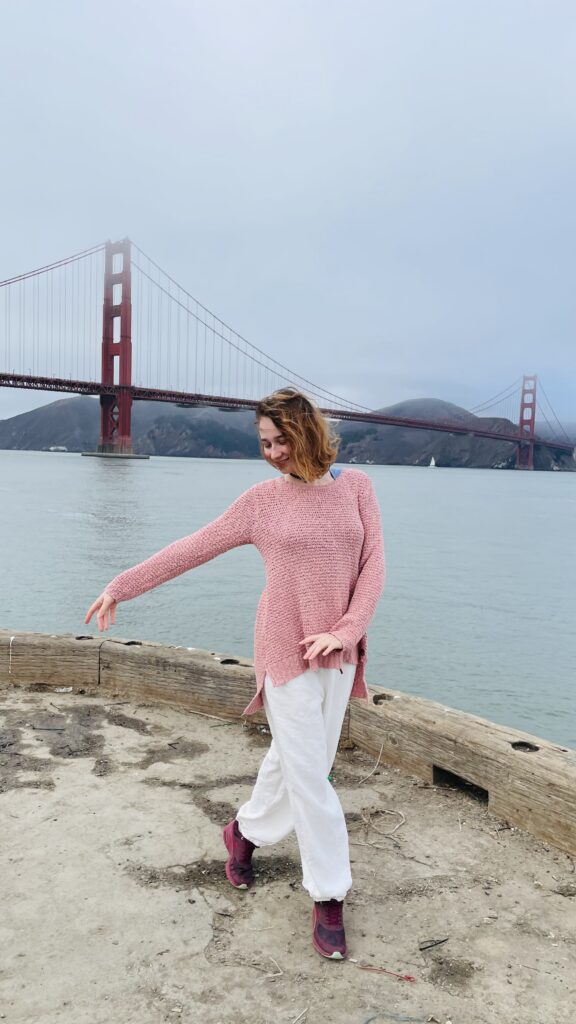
(299, 485)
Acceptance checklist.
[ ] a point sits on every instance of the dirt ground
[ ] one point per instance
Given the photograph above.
(115, 909)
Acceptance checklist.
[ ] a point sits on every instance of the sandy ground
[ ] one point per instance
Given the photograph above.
(114, 906)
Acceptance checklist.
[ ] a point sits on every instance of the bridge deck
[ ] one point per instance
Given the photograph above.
(142, 394)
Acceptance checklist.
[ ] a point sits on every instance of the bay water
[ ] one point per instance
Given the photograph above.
(479, 610)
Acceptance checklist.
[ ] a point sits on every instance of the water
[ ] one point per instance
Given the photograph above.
(480, 604)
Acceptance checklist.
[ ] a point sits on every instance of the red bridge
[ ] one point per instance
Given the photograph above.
(184, 354)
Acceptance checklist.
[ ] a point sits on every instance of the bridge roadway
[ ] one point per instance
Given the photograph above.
(82, 387)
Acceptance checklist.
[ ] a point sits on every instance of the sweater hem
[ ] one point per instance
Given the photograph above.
(359, 687)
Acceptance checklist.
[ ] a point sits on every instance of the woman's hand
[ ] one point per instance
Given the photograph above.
(105, 606)
(322, 643)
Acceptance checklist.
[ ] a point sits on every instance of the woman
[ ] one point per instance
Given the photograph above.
(319, 534)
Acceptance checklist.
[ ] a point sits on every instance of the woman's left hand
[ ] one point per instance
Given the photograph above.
(322, 643)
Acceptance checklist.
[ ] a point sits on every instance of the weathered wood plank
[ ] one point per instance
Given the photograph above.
(212, 684)
(530, 782)
(207, 683)
(28, 659)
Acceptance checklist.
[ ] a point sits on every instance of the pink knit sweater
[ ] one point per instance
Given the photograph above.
(322, 548)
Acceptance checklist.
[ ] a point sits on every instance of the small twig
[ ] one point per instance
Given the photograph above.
(368, 821)
(408, 856)
(375, 766)
(300, 1015)
(358, 842)
(538, 969)
(382, 970)
(278, 972)
(430, 943)
(257, 967)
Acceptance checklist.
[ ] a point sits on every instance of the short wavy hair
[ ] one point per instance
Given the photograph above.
(313, 444)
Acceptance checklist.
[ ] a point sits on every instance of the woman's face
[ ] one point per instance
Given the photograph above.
(274, 444)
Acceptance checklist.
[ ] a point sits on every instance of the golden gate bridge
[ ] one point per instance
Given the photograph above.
(109, 321)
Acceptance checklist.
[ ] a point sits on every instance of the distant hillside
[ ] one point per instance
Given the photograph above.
(157, 429)
(161, 429)
(72, 422)
(362, 443)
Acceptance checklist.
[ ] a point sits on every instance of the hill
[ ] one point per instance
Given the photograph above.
(406, 446)
(157, 429)
(203, 432)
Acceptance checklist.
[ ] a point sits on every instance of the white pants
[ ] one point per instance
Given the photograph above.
(292, 791)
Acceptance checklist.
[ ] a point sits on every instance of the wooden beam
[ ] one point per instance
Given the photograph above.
(212, 684)
(39, 659)
(530, 782)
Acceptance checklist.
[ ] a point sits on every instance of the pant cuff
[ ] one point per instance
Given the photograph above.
(250, 838)
(323, 899)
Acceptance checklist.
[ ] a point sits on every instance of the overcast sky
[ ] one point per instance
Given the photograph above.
(379, 194)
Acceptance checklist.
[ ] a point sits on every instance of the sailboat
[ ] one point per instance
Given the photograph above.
(432, 461)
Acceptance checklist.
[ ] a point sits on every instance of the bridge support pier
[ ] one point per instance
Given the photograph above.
(116, 409)
(525, 449)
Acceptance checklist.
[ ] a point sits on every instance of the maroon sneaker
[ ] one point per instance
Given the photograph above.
(328, 936)
(239, 869)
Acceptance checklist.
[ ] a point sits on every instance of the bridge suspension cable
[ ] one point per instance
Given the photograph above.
(546, 420)
(551, 408)
(59, 322)
(502, 396)
(52, 266)
(51, 318)
(507, 401)
(241, 367)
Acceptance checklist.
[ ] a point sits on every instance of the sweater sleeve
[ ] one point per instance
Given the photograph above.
(370, 583)
(232, 529)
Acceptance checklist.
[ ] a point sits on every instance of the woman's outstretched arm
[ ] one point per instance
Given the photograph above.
(233, 528)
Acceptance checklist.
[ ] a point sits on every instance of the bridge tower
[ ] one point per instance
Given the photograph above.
(526, 428)
(116, 408)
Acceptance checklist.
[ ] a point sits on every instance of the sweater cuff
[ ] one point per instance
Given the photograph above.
(341, 636)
